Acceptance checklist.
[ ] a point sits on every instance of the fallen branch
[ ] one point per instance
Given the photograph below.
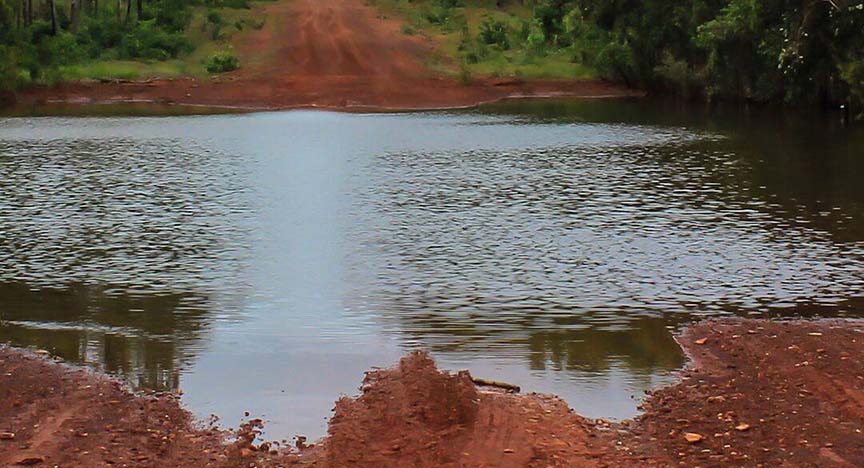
(495, 383)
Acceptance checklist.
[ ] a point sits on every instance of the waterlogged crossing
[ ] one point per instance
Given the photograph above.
(275, 257)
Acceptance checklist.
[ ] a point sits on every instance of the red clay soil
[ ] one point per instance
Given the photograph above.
(762, 394)
(56, 415)
(337, 54)
(758, 393)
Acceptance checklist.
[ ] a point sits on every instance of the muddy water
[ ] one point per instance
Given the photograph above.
(262, 262)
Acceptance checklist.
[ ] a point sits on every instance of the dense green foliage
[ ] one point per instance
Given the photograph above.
(40, 37)
(221, 62)
(804, 51)
(760, 50)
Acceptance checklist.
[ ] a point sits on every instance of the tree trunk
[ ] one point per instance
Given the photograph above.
(140, 9)
(128, 10)
(119, 9)
(73, 14)
(29, 12)
(53, 6)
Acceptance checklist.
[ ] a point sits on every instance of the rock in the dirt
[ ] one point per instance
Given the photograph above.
(692, 437)
(30, 461)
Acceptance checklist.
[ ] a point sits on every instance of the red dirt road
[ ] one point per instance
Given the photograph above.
(336, 54)
(758, 394)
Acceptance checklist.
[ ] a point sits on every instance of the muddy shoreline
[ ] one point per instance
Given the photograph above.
(242, 95)
(756, 393)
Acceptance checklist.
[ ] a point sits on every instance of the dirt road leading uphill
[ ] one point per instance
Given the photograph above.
(340, 38)
(335, 54)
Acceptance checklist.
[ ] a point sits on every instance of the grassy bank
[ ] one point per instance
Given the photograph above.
(204, 39)
(484, 39)
(73, 40)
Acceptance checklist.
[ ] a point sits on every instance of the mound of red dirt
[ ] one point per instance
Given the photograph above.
(56, 415)
(415, 415)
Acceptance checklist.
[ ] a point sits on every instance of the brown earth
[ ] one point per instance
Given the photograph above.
(757, 393)
(336, 54)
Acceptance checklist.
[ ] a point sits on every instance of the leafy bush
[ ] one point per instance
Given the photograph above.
(535, 38)
(221, 62)
(679, 75)
(436, 15)
(62, 49)
(172, 15)
(148, 41)
(214, 17)
(495, 33)
(615, 62)
(100, 33)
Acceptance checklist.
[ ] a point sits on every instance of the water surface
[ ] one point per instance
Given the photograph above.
(262, 262)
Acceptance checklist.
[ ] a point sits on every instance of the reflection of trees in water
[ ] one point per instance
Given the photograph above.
(799, 167)
(644, 345)
(145, 339)
(579, 341)
(108, 241)
(515, 248)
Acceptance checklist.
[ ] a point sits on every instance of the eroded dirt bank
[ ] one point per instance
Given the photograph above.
(759, 393)
(334, 54)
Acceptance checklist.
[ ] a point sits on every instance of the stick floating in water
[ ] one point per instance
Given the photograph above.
(495, 383)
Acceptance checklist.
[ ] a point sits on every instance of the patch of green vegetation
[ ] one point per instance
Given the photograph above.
(792, 52)
(123, 70)
(481, 38)
(66, 40)
(222, 62)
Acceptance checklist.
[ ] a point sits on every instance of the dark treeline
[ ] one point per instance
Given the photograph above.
(792, 51)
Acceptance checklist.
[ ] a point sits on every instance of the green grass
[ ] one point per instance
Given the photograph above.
(525, 65)
(519, 61)
(199, 33)
(123, 70)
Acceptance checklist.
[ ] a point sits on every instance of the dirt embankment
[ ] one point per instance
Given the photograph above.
(335, 54)
(758, 393)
